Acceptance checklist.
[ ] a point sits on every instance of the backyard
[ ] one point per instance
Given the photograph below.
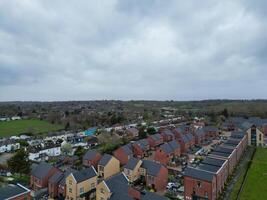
(33, 126)
(256, 181)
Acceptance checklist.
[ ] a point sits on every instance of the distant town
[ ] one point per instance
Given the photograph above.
(171, 154)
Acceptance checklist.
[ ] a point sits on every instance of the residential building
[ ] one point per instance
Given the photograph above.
(155, 140)
(82, 184)
(91, 158)
(108, 166)
(15, 192)
(141, 148)
(167, 152)
(154, 174)
(123, 153)
(40, 175)
(131, 169)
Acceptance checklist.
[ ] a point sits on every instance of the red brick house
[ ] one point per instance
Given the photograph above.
(167, 135)
(211, 132)
(132, 133)
(155, 140)
(123, 153)
(181, 130)
(141, 148)
(40, 175)
(57, 184)
(167, 152)
(199, 184)
(199, 136)
(91, 158)
(15, 192)
(186, 141)
(154, 174)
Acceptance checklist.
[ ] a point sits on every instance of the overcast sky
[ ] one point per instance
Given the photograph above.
(133, 49)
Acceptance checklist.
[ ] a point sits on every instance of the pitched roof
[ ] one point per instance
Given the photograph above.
(210, 168)
(174, 144)
(210, 128)
(84, 174)
(105, 159)
(198, 174)
(132, 163)
(200, 132)
(213, 161)
(152, 167)
(56, 178)
(167, 132)
(41, 170)
(89, 155)
(166, 148)
(10, 191)
(127, 149)
(142, 143)
(118, 185)
(223, 149)
(223, 154)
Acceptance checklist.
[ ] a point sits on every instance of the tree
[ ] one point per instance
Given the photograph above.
(19, 163)
(66, 149)
(151, 130)
(225, 113)
(142, 132)
(80, 151)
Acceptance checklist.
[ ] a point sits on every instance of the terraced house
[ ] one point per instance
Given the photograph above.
(81, 185)
(108, 166)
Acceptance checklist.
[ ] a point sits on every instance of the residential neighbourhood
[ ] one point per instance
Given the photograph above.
(141, 167)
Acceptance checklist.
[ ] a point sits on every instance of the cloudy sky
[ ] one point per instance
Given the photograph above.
(132, 49)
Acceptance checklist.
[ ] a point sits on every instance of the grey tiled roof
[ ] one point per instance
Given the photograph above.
(198, 174)
(210, 128)
(41, 170)
(152, 196)
(223, 149)
(156, 137)
(105, 159)
(10, 191)
(89, 155)
(210, 168)
(127, 149)
(132, 163)
(174, 144)
(166, 148)
(66, 174)
(213, 161)
(226, 155)
(152, 167)
(56, 178)
(84, 174)
(200, 132)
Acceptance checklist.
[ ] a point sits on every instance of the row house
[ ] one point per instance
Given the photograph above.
(117, 188)
(186, 141)
(108, 166)
(211, 132)
(131, 169)
(41, 174)
(131, 133)
(48, 149)
(167, 135)
(9, 145)
(123, 153)
(200, 136)
(154, 174)
(199, 184)
(81, 184)
(57, 184)
(15, 192)
(155, 140)
(178, 132)
(141, 148)
(167, 152)
(91, 158)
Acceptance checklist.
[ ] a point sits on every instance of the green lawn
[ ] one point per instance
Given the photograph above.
(255, 187)
(25, 126)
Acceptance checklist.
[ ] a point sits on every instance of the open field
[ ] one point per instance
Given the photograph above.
(26, 126)
(255, 184)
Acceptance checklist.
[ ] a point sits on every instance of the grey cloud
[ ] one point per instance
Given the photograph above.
(127, 49)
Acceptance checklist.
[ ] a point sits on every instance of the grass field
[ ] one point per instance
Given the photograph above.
(255, 187)
(26, 126)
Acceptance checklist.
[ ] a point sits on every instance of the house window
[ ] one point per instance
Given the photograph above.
(101, 168)
(70, 182)
(206, 194)
(81, 190)
(199, 184)
(70, 190)
(102, 191)
(92, 185)
(260, 137)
